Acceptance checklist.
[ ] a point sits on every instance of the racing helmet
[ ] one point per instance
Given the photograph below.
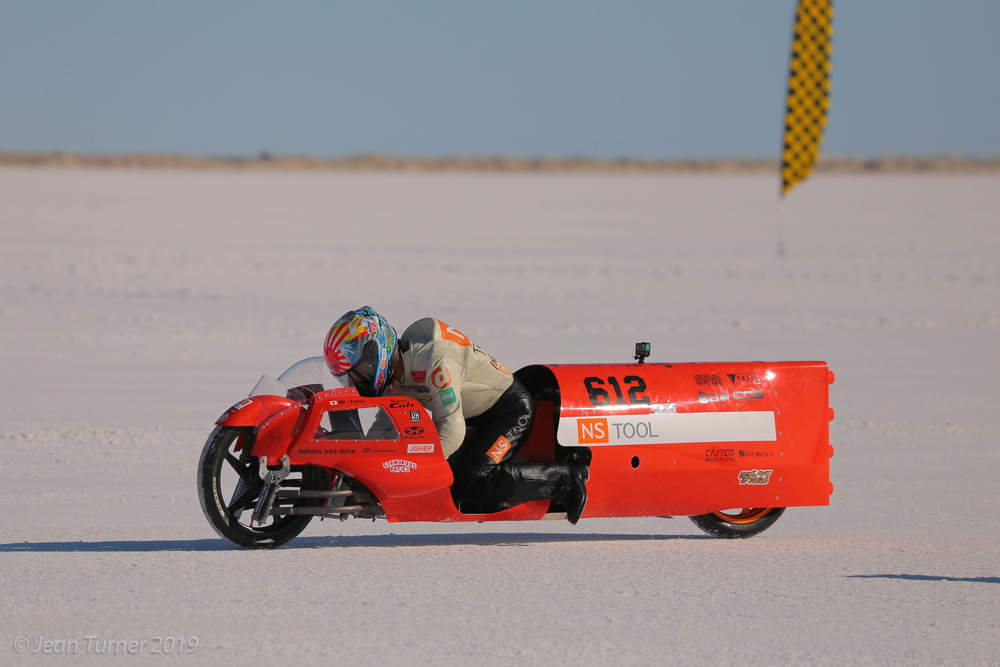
(362, 345)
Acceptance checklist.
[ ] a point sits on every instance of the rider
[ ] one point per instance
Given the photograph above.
(482, 413)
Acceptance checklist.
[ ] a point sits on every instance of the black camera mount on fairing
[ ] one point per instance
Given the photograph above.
(641, 352)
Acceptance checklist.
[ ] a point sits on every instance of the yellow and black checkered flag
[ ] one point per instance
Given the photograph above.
(808, 90)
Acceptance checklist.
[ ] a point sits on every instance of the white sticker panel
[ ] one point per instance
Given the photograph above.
(667, 428)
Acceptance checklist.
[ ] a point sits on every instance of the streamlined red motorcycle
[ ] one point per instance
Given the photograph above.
(730, 445)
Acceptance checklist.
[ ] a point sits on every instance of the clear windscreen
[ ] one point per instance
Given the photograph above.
(311, 371)
(364, 424)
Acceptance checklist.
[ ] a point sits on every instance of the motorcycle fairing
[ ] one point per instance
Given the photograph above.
(764, 440)
(692, 438)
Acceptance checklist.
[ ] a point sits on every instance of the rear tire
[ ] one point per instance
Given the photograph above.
(739, 523)
(229, 485)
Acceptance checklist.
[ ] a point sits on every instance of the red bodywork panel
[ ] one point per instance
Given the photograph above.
(693, 438)
(663, 439)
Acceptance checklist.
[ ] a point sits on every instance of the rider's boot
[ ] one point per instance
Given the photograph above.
(565, 483)
(576, 498)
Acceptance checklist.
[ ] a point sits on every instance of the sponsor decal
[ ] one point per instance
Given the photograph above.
(349, 402)
(748, 395)
(447, 396)
(520, 427)
(414, 415)
(399, 403)
(743, 378)
(500, 367)
(737, 395)
(414, 430)
(755, 477)
(592, 430)
(454, 335)
(233, 410)
(419, 376)
(326, 450)
(669, 428)
(600, 430)
(399, 465)
(632, 431)
(713, 455)
(756, 453)
(704, 397)
(499, 448)
(705, 379)
(441, 377)
(420, 448)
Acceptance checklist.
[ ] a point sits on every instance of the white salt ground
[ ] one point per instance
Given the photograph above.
(136, 306)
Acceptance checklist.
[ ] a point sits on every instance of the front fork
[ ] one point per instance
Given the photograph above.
(271, 480)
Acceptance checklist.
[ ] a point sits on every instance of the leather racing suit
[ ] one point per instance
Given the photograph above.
(483, 415)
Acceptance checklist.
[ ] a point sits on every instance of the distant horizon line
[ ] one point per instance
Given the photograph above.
(490, 163)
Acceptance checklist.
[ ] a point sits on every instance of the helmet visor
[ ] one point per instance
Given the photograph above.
(362, 374)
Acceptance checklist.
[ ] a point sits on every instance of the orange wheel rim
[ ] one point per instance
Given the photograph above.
(743, 514)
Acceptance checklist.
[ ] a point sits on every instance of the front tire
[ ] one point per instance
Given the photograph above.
(738, 523)
(229, 485)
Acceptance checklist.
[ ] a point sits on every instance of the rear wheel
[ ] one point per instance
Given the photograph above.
(738, 522)
(229, 485)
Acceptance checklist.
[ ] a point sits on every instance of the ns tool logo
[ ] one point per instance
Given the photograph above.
(592, 431)
(625, 430)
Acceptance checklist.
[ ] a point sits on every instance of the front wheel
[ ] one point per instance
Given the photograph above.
(739, 522)
(229, 485)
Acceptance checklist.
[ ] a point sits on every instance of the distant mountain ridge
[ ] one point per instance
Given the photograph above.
(501, 163)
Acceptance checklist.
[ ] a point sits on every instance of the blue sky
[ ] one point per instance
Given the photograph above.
(664, 79)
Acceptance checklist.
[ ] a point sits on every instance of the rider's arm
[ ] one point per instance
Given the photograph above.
(445, 382)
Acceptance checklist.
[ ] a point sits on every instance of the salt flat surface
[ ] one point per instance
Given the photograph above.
(136, 306)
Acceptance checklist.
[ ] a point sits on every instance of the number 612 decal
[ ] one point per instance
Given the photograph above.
(634, 395)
